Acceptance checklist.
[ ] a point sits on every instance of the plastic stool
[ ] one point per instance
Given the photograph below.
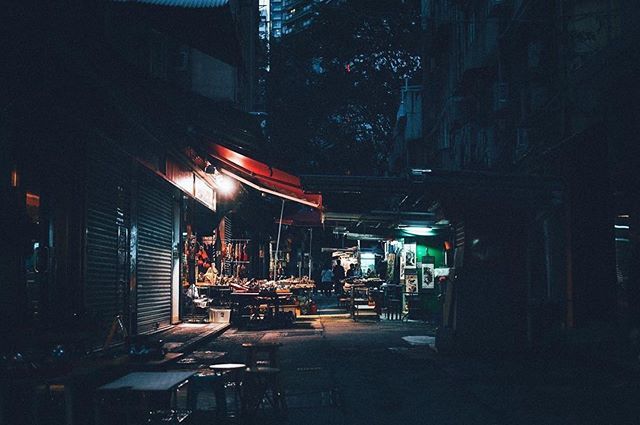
(198, 383)
(262, 388)
(253, 350)
(394, 309)
(231, 375)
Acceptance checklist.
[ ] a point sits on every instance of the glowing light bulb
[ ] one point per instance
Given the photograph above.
(224, 184)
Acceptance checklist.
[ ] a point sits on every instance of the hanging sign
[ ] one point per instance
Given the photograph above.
(411, 282)
(410, 257)
(428, 276)
(181, 176)
(204, 193)
(391, 266)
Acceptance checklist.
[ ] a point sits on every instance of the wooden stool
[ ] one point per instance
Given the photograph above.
(262, 389)
(231, 375)
(253, 350)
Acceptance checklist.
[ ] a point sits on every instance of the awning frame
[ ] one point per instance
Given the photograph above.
(261, 176)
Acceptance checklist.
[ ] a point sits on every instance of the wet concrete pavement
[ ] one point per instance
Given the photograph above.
(336, 371)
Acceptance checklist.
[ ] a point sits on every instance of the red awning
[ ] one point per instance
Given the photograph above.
(262, 176)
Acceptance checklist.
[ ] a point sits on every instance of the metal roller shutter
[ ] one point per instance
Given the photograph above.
(107, 234)
(154, 259)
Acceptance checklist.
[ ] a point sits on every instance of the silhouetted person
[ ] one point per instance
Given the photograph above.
(352, 270)
(326, 279)
(338, 275)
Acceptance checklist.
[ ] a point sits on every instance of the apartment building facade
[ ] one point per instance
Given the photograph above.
(544, 89)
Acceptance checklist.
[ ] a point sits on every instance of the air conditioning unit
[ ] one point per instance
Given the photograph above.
(500, 96)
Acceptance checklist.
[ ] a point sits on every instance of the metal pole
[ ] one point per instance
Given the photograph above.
(275, 269)
(310, 241)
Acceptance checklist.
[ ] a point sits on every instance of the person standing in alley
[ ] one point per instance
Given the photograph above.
(352, 270)
(326, 279)
(338, 276)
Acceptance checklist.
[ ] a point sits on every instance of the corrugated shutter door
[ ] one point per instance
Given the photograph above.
(107, 234)
(154, 262)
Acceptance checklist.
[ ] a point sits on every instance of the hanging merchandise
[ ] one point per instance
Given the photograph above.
(237, 256)
(391, 266)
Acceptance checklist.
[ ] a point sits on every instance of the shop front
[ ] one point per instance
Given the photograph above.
(241, 264)
(141, 212)
(223, 274)
(485, 257)
(420, 266)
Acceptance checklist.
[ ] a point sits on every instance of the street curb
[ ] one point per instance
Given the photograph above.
(324, 316)
(191, 344)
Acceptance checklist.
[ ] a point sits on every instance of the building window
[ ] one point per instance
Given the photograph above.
(471, 29)
(157, 60)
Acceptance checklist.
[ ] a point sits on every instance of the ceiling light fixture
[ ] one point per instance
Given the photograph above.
(224, 184)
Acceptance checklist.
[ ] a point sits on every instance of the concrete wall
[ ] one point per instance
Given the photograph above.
(213, 78)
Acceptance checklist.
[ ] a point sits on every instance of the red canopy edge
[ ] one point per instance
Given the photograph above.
(277, 182)
(303, 218)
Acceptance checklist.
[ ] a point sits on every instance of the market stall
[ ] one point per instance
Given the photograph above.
(257, 300)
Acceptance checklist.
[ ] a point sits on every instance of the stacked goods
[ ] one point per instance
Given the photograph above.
(297, 283)
(366, 281)
(259, 286)
(372, 282)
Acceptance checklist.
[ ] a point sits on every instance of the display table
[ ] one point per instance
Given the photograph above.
(262, 307)
(217, 293)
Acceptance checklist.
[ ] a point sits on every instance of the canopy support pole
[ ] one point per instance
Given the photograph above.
(275, 268)
(310, 244)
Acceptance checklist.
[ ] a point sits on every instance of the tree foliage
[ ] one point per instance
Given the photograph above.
(334, 88)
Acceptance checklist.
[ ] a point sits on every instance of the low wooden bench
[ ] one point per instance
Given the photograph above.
(358, 309)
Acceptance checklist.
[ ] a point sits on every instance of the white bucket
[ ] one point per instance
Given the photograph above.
(219, 315)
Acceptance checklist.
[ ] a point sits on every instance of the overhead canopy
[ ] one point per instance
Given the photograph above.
(182, 3)
(261, 176)
(438, 182)
(421, 203)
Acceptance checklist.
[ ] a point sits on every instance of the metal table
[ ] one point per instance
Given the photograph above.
(130, 397)
(149, 381)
